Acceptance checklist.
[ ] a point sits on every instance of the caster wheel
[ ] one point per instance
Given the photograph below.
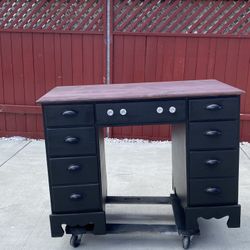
(186, 242)
(75, 240)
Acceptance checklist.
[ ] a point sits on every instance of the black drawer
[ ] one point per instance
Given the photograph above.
(214, 109)
(71, 141)
(222, 163)
(213, 192)
(141, 112)
(76, 199)
(73, 170)
(68, 115)
(214, 135)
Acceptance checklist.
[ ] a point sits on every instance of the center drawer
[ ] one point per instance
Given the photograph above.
(141, 112)
(71, 141)
(68, 199)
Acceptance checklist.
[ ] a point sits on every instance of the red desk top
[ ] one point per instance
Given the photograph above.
(144, 90)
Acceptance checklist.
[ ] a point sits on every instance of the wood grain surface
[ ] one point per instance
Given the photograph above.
(144, 90)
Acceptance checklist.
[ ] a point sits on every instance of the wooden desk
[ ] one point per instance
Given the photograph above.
(205, 145)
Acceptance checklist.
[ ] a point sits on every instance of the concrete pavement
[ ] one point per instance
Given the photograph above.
(134, 168)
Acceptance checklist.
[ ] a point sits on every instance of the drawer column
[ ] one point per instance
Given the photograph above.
(213, 160)
(72, 147)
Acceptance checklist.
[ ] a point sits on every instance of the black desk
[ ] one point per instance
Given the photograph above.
(205, 147)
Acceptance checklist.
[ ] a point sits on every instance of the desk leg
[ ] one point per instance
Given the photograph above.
(192, 214)
(83, 220)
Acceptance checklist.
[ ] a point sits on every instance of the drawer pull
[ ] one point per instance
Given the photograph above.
(213, 133)
(71, 140)
(110, 112)
(172, 109)
(69, 113)
(213, 107)
(123, 111)
(212, 162)
(73, 168)
(159, 110)
(75, 197)
(213, 190)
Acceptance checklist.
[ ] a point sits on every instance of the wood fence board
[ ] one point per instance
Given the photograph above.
(66, 57)
(221, 55)
(17, 62)
(77, 59)
(7, 72)
(2, 116)
(49, 61)
(202, 58)
(29, 79)
(88, 60)
(39, 69)
(191, 58)
(211, 58)
(150, 60)
(179, 58)
(98, 59)
(58, 61)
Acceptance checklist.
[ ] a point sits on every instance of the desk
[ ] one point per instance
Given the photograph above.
(205, 146)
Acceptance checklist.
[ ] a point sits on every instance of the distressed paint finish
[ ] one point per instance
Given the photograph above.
(142, 91)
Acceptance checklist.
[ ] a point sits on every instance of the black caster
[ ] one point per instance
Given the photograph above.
(186, 241)
(75, 240)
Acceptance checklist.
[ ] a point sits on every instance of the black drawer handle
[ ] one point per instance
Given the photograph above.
(69, 113)
(73, 168)
(213, 133)
(75, 197)
(212, 162)
(213, 107)
(71, 140)
(213, 190)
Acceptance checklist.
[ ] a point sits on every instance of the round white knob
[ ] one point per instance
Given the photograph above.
(123, 111)
(110, 112)
(159, 110)
(172, 109)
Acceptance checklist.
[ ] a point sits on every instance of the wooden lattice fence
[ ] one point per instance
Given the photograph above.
(48, 43)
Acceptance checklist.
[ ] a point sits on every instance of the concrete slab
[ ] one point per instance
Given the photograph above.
(134, 168)
(245, 147)
(9, 147)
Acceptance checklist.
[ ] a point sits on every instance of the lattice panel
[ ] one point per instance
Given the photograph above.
(183, 16)
(70, 15)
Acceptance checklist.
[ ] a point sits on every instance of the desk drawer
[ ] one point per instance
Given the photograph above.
(214, 109)
(76, 199)
(141, 112)
(68, 115)
(71, 141)
(73, 170)
(213, 192)
(221, 163)
(214, 135)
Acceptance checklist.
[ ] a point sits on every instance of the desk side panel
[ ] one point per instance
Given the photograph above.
(179, 162)
(102, 162)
